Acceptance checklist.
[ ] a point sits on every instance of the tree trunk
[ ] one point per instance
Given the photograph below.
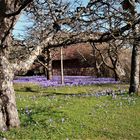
(119, 72)
(49, 65)
(49, 72)
(134, 79)
(8, 110)
(98, 72)
(116, 75)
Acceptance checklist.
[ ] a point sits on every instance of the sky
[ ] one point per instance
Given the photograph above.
(20, 27)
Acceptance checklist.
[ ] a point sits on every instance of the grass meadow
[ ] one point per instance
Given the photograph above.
(75, 113)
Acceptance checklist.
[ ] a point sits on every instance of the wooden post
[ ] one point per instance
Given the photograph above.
(62, 67)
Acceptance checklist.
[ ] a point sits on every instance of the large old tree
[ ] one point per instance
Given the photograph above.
(9, 14)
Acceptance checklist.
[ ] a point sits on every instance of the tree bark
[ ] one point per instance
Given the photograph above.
(134, 79)
(49, 65)
(116, 75)
(98, 70)
(8, 110)
(135, 64)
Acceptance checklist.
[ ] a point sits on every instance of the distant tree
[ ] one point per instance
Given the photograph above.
(108, 55)
(112, 20)
(45, 60)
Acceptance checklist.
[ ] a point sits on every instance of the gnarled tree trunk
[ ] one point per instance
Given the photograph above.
(134, 79)
(8, 110)
(9, 12)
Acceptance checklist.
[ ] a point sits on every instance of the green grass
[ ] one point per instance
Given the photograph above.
(54, 116)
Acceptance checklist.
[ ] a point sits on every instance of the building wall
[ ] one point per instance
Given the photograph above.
(76, 71)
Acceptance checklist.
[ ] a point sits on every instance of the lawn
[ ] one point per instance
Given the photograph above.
(76, 113)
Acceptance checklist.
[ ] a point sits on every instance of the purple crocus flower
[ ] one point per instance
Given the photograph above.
(69, 80)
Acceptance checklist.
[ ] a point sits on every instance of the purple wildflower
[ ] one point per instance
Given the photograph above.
(69, 80)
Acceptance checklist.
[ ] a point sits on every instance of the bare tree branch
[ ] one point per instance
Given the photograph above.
(24, 65)
(46, 67)
(24, 4)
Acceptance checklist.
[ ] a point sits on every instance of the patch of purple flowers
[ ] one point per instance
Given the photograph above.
(69, 80)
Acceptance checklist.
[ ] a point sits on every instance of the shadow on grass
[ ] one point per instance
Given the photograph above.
(26, 89)
(94, 94)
